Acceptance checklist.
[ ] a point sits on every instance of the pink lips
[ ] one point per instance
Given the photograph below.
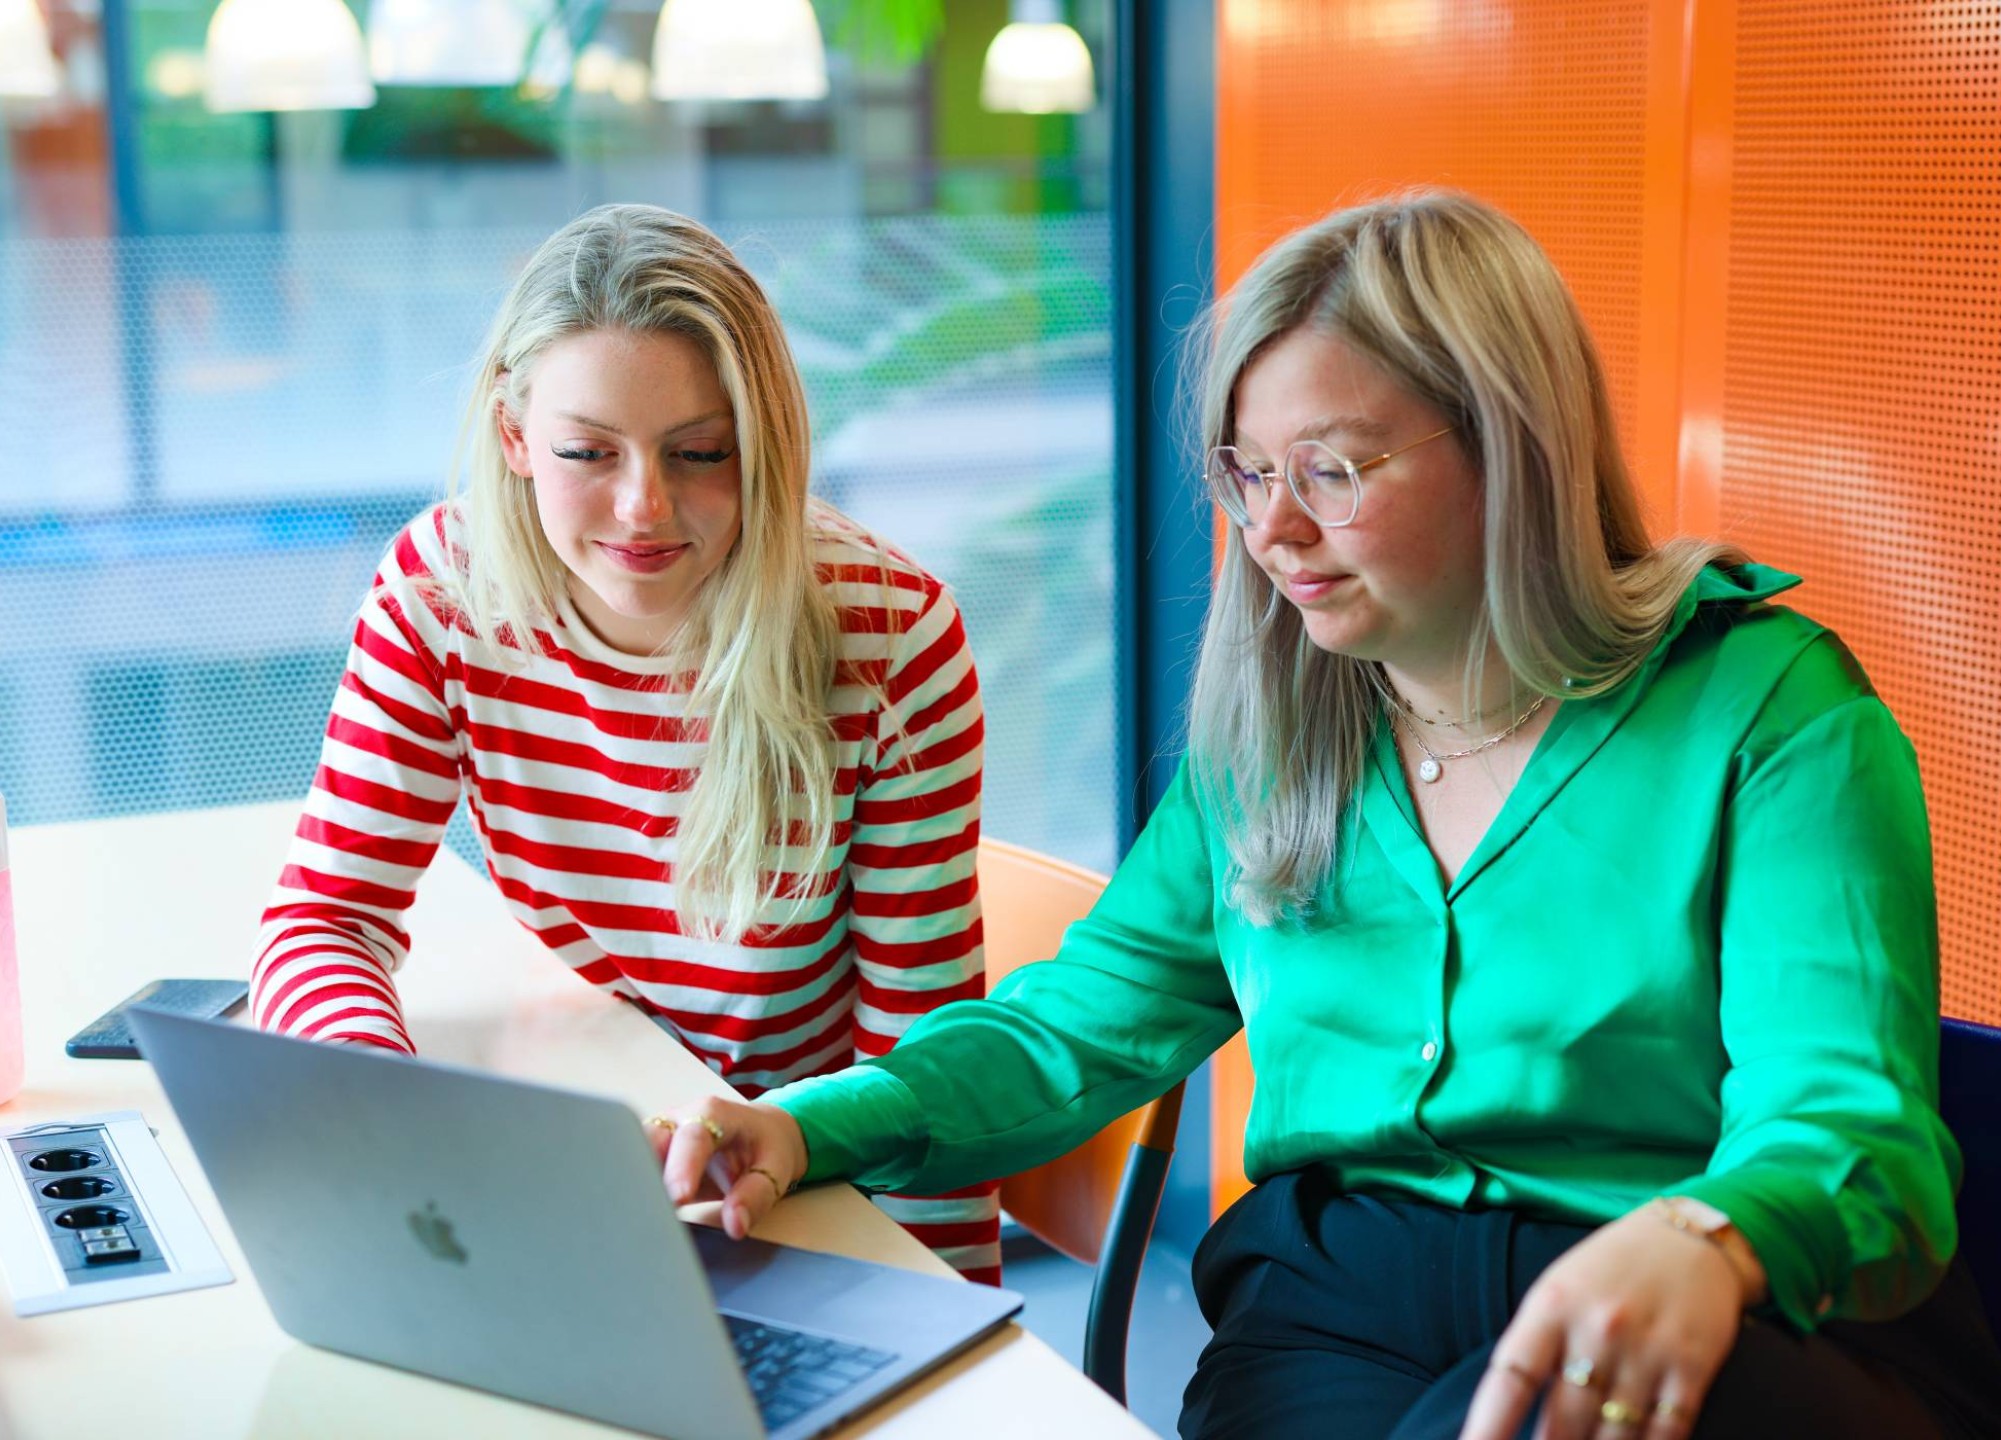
(641, 559)
(1304, 588)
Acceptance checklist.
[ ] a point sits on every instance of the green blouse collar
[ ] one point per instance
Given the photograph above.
(1574, 736)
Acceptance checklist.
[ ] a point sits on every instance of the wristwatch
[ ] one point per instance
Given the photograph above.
(1699, 1218)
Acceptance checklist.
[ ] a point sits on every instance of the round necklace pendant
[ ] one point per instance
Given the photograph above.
(1428, 770)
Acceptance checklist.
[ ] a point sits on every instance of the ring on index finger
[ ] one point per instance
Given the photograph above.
(715, 1131)
(661, 1122)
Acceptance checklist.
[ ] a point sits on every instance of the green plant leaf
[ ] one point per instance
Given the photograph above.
(894, 30)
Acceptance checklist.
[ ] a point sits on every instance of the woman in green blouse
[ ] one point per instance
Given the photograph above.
(1575, 899)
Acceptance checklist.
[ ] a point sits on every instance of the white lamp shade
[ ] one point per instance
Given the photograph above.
(1039, 69)
(27, 65)
(738, 50)
(286, 55)
(466, 42)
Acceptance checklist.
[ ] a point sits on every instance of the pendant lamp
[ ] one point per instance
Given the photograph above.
(286, 55)
(1037, 65)
(27, 64)
(738, 50)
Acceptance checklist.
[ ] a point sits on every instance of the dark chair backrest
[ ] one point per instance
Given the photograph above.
(1969, 1083)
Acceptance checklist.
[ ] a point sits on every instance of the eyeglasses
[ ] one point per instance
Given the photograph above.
(1326, 484)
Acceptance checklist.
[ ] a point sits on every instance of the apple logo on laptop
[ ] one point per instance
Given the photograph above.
(434, 1233)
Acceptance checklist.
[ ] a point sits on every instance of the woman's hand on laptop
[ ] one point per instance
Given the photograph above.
(748, 1155)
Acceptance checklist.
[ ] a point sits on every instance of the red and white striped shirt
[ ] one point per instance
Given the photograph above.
(575, 765)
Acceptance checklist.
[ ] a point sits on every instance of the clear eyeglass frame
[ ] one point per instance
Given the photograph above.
(1326, 484)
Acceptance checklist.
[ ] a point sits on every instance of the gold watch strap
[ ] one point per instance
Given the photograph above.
(1704, 1221)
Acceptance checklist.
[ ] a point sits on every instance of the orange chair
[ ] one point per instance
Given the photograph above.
(1096, 1204)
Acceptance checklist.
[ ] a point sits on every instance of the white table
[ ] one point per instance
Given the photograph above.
(103, 906)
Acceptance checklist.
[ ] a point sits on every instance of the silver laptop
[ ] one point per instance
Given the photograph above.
(518, 1238)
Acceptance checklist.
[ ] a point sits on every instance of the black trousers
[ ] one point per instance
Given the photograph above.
(1343, 1316)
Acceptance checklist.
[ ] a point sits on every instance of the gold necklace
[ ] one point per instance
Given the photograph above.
(1393, 698)
(1459, 724)
(1432, 766)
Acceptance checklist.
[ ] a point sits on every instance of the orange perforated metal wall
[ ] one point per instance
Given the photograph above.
(1784, 226)
(1567, 113)
(1849, 384)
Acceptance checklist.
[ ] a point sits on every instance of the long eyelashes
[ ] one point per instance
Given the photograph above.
(693, 457)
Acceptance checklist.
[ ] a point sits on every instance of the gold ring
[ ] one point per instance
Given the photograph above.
(661, 1122)
(1667, 1410)
(715, 1130)
(776, 1188)
(1618, 1412)
(1578, 1370)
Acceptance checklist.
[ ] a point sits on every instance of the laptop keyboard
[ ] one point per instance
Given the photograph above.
(790, 1371)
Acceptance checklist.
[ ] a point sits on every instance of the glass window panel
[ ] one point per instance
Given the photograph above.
(236, 347)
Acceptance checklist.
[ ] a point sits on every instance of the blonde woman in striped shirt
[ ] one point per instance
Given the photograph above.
(721, 746)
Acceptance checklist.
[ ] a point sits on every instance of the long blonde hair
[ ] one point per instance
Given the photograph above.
(764, 632)
(1463, 309)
